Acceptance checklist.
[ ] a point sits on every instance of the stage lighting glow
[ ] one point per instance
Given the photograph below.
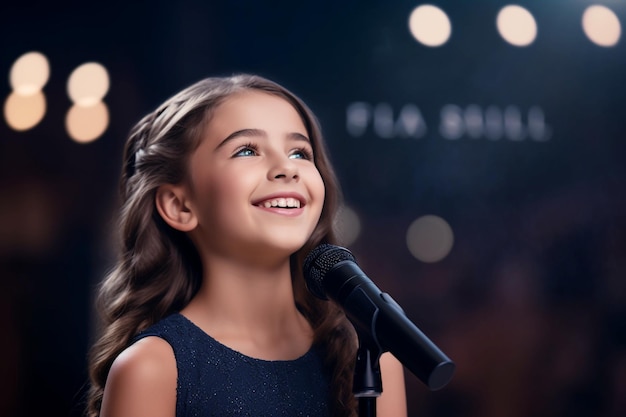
(24, 112)
(430, 238)
(88, 84)
(430, 25)
(29, 73)
(86, 124)
(601, 26)
(516, 25)
(348, 226)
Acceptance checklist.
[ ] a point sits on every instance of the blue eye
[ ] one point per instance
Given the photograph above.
(301, 154)
(246, 150)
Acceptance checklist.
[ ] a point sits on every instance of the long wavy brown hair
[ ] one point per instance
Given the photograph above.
(158, 269)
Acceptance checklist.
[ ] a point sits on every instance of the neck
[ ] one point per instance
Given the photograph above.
(251, 309)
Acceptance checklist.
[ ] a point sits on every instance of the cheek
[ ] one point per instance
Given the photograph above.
(322, 189)
(224, 199)
(228, 183)
(214, 192)
(318, 189)
(230, 194)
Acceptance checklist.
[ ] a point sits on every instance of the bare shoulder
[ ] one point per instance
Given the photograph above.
(392, 402)
(142, 381)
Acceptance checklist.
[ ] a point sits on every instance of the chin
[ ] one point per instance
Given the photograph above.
(291, 249)
(283, 248)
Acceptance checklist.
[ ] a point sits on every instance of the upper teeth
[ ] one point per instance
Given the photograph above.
(282, 202)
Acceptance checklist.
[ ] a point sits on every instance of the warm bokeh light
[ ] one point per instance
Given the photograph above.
(516, 25)
(348, 226)
(86, 124)
(430, 25)
(24, 112)
(601, 25)
(88, 84)
(429, 238)
(29, 73)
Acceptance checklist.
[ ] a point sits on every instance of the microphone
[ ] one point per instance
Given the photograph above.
(331, 272)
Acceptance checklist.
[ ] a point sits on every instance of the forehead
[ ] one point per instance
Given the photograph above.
(255, 109)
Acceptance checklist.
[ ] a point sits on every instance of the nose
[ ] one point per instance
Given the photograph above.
(283, 169)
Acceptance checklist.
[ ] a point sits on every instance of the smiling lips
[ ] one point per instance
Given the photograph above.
(281, 202)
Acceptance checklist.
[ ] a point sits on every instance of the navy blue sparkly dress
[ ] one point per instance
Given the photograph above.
(214, 380)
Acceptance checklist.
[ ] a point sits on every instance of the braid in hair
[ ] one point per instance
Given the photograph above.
(158, 271)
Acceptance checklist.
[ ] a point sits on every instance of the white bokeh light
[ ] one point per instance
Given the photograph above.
(429, 238)
(29, 73)
(430, 25)
(601, 26)
(88, 84)
(516, 25)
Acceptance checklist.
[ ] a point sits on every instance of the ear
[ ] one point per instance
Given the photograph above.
(172, 205)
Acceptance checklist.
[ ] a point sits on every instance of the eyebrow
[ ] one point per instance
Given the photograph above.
(260, 133)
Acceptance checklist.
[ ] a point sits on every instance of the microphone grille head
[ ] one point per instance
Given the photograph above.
(318, 262)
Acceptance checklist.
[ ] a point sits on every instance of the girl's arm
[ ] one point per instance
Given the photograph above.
(142, 381)
(392, 401)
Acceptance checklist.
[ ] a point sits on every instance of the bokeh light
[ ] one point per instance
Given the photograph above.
(88, 84)
(24, 112)
(348, 226)
(29, 73)
(86, 124)
(88, 118)
(430, 25)
(429, 238)
(516, 25)
(601, 26)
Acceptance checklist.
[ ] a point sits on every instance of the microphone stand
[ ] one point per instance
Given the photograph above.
(368, 384)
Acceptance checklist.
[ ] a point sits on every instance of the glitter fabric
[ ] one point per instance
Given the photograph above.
(214, 380)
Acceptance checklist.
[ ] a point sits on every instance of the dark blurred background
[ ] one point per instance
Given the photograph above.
(520, 150)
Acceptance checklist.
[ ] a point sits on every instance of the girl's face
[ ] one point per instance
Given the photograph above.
(254, 187)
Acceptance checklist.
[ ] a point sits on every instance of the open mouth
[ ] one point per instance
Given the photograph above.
(288, 203)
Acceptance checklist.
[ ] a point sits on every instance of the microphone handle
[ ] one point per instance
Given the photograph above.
(377, 315)
(411, 346)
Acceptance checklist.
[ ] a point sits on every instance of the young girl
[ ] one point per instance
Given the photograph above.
(226, 187)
